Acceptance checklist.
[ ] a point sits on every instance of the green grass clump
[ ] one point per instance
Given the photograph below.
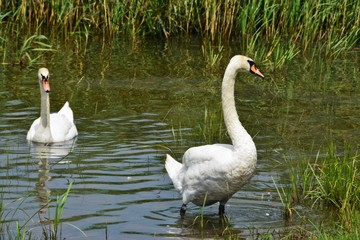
(340, 232)
(330, 182)
(337, 183)
(50, 229)
(30, 50)
(212, 130)
(59, 208)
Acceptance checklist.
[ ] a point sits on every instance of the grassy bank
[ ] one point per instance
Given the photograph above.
(274, 31)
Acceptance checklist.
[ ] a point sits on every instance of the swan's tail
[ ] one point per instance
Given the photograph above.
(173, 168)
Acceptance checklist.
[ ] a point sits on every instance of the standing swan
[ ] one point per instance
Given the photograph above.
(55, 127)
(213, 173)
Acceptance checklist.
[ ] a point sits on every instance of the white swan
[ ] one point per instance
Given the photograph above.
(55, 127)
(213, 173)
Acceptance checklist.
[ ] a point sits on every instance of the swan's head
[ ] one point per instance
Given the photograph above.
(244, 63)
(43, 76)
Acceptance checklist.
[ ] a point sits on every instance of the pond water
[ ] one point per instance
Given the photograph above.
(134, 102)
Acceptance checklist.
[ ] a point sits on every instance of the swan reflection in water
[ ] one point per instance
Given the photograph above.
(49, 155)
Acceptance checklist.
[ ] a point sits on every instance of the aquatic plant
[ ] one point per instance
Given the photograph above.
(339, 232)
(286, 200)
(1, 213)
(53, 231)
(26, 54)
(330, 181)
(212, 129)
(178, 139)
(212, 54)
(33, 44)
(278, 30)
(50, 231)
(337, 182)
(203, 224)
(21, 232)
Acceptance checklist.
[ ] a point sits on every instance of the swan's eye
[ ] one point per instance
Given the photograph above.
(254, 69)
(252, 65)
(43, 77)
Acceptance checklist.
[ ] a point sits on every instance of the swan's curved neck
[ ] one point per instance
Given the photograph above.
(45, 110)
(239, 136)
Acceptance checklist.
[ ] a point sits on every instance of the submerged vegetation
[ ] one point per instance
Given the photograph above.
(272, 31)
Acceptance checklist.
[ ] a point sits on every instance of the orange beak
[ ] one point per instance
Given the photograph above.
(46, 85)
(256, 71)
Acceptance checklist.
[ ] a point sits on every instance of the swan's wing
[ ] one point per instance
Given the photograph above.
(62, 124)
(67, 112)
(205, 173)
(32, 130)
(62, 129)
(208, 154)
(196, 160)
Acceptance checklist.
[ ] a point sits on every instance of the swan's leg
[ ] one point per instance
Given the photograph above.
(183, 210)
(221, 209)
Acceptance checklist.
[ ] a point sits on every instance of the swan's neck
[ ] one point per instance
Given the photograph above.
(240, 138)
(45, 110)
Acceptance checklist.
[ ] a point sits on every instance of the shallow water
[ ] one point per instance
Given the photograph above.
(128, 99)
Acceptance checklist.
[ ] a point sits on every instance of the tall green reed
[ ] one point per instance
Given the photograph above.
(273, 32)
(307, 21)
(330, 181)
(212, 129)
(32, 45)
(30, 51)
(50, 229)
(55, 227)
(212, 54)
(1, 212)
(337, 182)
(338, 232)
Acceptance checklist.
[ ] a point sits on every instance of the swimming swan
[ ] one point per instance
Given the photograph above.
(55, 127)
(213, 173)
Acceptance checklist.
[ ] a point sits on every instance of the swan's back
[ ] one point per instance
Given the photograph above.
(62, 124)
